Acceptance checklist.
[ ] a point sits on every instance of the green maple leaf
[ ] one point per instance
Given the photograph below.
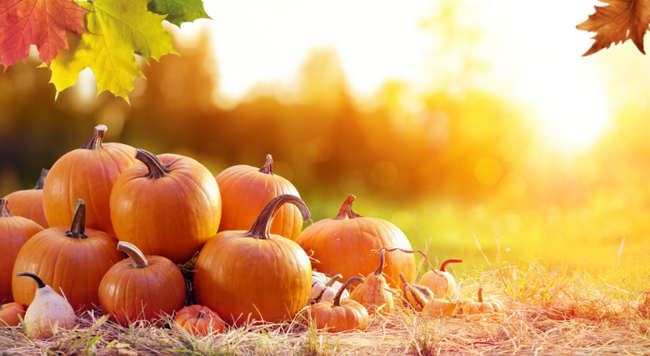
(179, 11)
(117, 30)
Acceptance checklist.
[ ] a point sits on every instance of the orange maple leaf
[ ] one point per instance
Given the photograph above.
(39, 22)
(617, 22)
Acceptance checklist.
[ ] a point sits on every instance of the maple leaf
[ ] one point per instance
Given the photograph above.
(179, 11)
(617, 22)
(40, 22)
(117, 30)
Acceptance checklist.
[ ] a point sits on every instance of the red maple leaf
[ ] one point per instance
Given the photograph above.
(40, 22)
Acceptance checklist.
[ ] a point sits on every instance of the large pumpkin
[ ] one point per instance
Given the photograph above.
(245, 190)
(86, 173)
(345, 245)
(167, 205)
(72, 260)
(254, 273)
(14, 232)
(28, 203)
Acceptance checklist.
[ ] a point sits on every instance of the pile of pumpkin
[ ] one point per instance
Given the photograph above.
(71, 233)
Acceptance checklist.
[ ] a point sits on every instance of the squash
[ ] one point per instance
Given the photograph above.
(344, 245)
(198, 320)
(324, 291)
(29, 203)
(48, 312)
(10, 314)
(441, 282)
(374, 294)
(72, 260)
(141, 287)
(167, 205)
(254, 273)
(481, 305)
(441, 307)
(245, 190)
(414, 295)
(87, 173)
(14, 232)
(340, 316)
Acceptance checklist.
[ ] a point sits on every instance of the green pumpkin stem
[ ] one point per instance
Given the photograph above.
(444, 264)
(337, 297)
(261, 228)
(157, 169)
(4, 205)
(41, 180)
(137, 257)
(381, 263)
(480, 294)
(95, 142)
(346, 210)
(78, 226)
(268, 166)
(38, 279)
(333, 279)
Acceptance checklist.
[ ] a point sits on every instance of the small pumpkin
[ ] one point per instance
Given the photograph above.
(441, 282)
(14, 233)
(481, 305)
(324, 291)
(48, 312)
(198, 320)
(440, 307)
(141, 287)
(10, 312)
(414, 295)
(340, 315)
(29, 203)
(375, 294)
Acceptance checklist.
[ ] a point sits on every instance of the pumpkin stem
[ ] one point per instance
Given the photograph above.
(337, 297)
(381, 263)
(137, 258)
(157, 169)
(403, 280)
(262, 225)
(95, 142)
(444, 264)
(346, 210)
(41, 180)
(480, 294)
(4, 205)
(78, 221)
(268, 166)
(200, 315)
(333, 279)
(38, 279)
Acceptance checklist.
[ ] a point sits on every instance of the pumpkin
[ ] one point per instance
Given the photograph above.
(167, 205)
(14, 232)
(340, 316)
(198, 320)
(441, 282)
(321, 291)
(245, 190)
(86, 173)
(344, 245)
(10, 312)
(440, 307)
(414, 295)
(48, 312)
(481, 305)
(141, 287)
(72, 260)
(374, 294)
(254, 273)
(29, 203)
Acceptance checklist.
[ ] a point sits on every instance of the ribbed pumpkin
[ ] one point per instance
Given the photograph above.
(167, 205)
(340, 316)
(141, 287)
(198, 320)
(70, 259)
(9, 313)
(14, 232)
(374, 294)
(29, 203)
(345, 243)
(245, 190)
(86, 173)
(242, 273)
(481, 305)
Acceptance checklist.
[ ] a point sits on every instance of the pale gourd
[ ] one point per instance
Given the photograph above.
(324, 289)
(441, 307)
(441, 282)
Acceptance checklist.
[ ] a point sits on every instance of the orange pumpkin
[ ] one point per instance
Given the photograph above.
(86, 173)
(14, 232)
(345, 243)
(481, 305)
(242, 273)
(245, 190)
(29, 203)
(72, 260)
(167, 206)
(198, 320)
(141, 287)
(374, 294)
(441, 282)
(340, 316)
(9, 313)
